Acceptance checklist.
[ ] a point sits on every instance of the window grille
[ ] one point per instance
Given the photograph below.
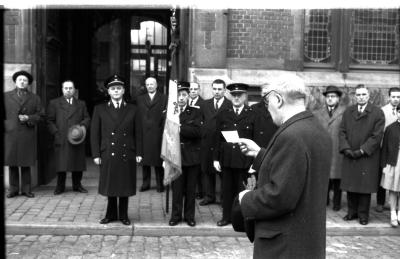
(374, 36)
(317, 36)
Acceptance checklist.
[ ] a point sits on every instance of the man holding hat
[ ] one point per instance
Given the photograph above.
(23, 110)
(184, 187)
(227, 156)
(330, 116)
(67, 121)
(116, 146)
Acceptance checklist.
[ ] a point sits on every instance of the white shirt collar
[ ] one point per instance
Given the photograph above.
(115, 103)
(193, 101)
(151, 95)
(240, 109)
(220, 101)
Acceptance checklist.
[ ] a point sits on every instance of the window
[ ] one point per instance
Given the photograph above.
(352, 39)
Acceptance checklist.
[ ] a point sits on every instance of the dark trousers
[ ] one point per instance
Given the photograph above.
(183, 193)
(199, 183)
(147, 177)
(359, 204)
(381, 194)
(334, 185)
(232, 184)
(209, 179)
(76, 179)
(117, 209)
(25, 179)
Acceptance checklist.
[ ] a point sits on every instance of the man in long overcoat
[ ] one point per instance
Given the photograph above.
(210, 109)
(116, 146)
(330, 116)
(288, 206)
(152, 110)
(63, 113)
(360, 136)
(23, 110)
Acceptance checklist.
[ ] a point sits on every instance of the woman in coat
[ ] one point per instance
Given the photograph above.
(23, 110)
(115, 134)
(390, 162)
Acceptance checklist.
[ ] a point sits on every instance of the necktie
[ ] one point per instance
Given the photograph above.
(191, 102)
(117, 105)
(330, 111)
(216, 105)
(237, 111)
(394, 110)
(70, 100)
(359, 110)
(181, 109)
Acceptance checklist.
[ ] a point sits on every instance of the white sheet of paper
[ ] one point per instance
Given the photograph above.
(231, 136)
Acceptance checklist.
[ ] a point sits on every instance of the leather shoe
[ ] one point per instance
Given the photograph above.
(363, 221)
(80, 189)
(12, 194)
(379, 208)
(58, 191)
(28, 194)
(191, 222)
(125, 221)
(143, 189)
(350, 217)
(173, 222)
(223, 222)
(206, 202)
(106, 221)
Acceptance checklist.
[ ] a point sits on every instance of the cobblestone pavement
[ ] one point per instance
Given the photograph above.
(98, 246)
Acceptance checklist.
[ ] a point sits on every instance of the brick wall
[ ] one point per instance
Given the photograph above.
(259, 33)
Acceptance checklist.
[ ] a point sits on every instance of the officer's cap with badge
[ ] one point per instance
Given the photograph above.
(237, 88)
(114, 80)
(183, 86)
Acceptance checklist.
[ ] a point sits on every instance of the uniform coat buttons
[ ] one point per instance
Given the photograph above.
(112, 133)
(112, 143)
(112, 154)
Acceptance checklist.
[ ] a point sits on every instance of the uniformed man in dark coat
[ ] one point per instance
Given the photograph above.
(65, 114)
(210, 109)
(152, 110)
(116, 146)
(184, 187)
(264, 127)
(196, 101)
(23, 110)
(360, 135)
(227, 156)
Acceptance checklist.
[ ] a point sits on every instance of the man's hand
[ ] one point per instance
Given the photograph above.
(217, 166)
(357, 154)
(249, 147)
(97, 160)
(348, 153)
(138, 159)
(23, 117)
(251, 183)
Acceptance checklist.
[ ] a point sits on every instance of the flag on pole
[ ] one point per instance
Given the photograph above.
(171, 144)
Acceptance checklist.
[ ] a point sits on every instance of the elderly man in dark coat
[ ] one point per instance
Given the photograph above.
(288, 207)
(152, 109)
(116, 146)
(63, 115)
(330, 116)
(23, 110)
(360, 136)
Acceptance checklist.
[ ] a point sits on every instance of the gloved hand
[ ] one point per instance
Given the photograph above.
(357, 154)
(348, 153)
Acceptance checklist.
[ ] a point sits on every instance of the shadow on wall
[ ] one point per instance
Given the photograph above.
(378, 96)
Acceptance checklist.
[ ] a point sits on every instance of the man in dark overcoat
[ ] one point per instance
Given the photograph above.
(227, 156)
(330, 116)
(116, 146)
(152, 110)
(23, 110)
(210, 109)
(195, 100)
(62, 114)
(360, 137)
(288, 206)
(184, 187)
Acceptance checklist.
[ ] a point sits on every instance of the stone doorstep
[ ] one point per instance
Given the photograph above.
(158, 229)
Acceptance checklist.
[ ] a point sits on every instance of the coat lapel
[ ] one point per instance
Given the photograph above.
(72, 108)
(15, 97)
(110, 111)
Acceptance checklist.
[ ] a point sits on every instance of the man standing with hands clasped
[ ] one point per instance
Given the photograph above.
(116, 146)
(288, 206)
(67, 120)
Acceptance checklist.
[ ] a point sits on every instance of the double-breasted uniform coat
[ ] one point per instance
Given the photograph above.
(234, 163)
(363, 131)
(288, 206)
(185, 185)
(20, 138)
(60, 117)
(116, 139)
(264, 127)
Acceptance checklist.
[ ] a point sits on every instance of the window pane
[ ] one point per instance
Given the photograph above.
(317, 36)
(374, 36)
